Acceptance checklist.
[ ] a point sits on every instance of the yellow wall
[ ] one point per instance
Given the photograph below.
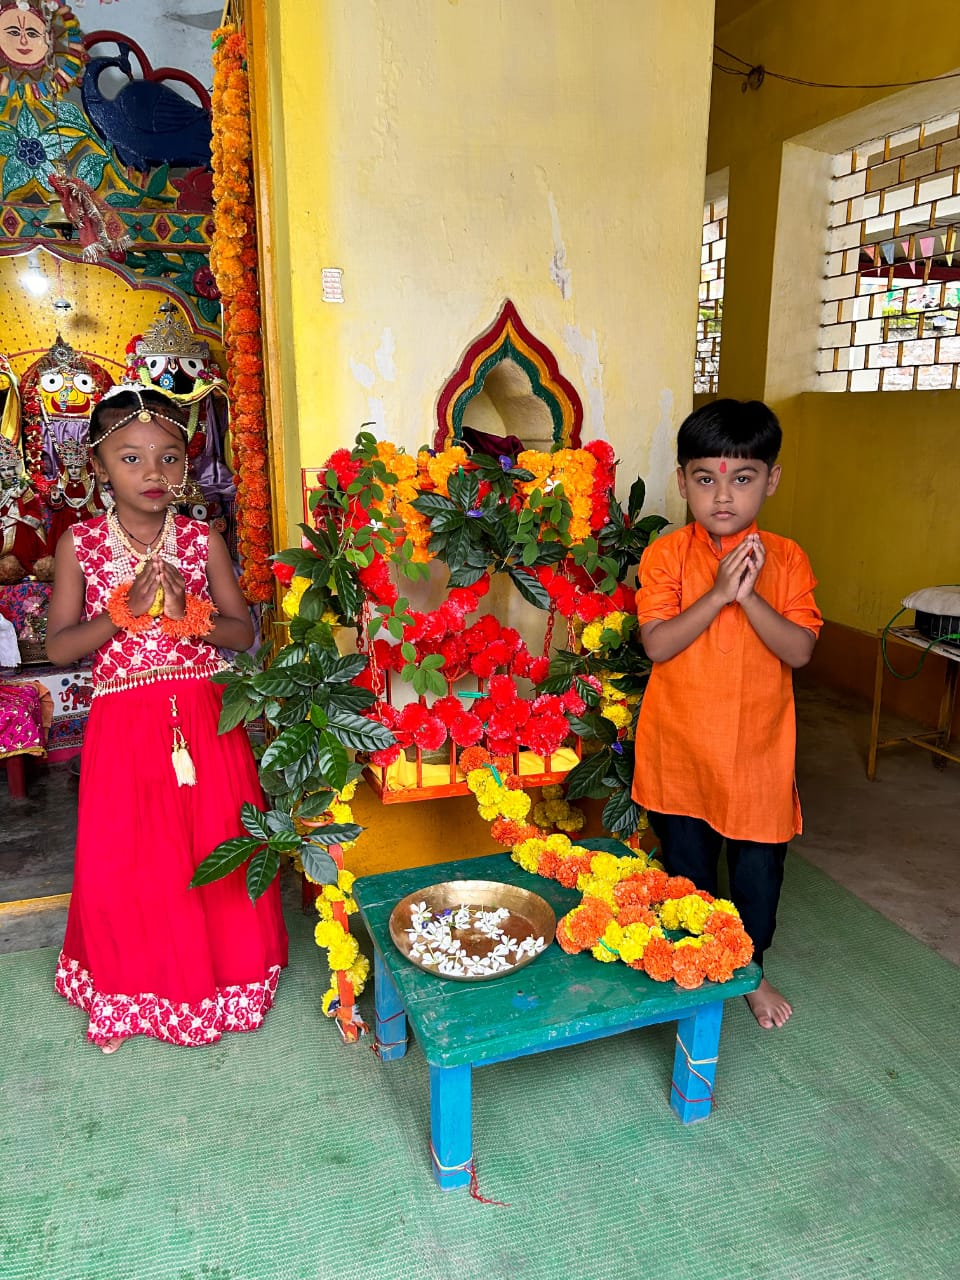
(449, 154)
(870, 478)
(446, 154)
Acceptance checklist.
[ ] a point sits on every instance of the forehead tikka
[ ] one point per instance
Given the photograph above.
(143, 414)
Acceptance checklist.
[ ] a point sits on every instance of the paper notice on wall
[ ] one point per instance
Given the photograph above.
(331, 284)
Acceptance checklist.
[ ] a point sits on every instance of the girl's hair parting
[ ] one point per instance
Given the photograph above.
(111, 409)
(730, 429)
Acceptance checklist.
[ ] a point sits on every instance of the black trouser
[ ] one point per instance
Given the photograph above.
(690, 847)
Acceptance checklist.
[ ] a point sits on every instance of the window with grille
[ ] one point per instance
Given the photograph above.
(892, 288)
(710, 313)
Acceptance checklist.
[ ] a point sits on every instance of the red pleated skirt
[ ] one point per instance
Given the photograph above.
(144, 954)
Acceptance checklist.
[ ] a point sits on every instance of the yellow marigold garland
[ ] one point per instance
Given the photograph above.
(234, 262)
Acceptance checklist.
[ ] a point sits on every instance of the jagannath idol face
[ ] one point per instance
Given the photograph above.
(175, 373)
(67, 393)
(24, 37)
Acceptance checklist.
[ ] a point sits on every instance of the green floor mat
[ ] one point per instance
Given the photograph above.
(832, 1152)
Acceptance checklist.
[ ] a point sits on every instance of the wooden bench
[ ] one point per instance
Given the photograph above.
(555, 1001)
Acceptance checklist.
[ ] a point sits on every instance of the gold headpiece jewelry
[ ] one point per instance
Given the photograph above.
(62, 358)
(143, 414)
(169, 336)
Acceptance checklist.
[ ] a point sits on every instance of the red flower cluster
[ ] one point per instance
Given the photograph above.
(572, 594)
(603, 481)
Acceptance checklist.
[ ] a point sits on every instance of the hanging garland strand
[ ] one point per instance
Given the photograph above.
(234, 261)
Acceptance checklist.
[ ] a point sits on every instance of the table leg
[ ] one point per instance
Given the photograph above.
(695, 1062)
(390, 1014)
(947, 703)
(875, 716)
(451, 1126)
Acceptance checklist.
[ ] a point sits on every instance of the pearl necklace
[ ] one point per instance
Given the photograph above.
(123, 552)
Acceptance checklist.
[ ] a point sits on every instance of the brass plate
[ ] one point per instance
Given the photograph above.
(529, 917)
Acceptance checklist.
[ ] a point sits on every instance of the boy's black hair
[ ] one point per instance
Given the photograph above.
(730, 429)
(107, 411)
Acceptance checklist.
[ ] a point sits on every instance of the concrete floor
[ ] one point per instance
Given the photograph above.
(893, 842)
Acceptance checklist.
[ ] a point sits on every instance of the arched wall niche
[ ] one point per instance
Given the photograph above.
(509, 383)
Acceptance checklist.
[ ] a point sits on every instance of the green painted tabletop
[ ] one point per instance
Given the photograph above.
(555, 999)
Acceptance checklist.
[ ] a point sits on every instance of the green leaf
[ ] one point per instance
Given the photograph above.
(284, 842)
(278, 682)
(123, 200)
(289, 746)
(638, 493)
(431, 504)
(90, 169)
(261, 873)
(15, 175)
(586, 691)
(158, 182)
(464, 488)
(69, 116)
(332, 763)
(348, 590)
(335, 833)
(530, 587)
(621, 814)
(315, 805)
(225, 858)
(346, 668)
(237, 708)
(358, 732)
(435, 683)
(27, 126)
(586, 779)
(255, 821)
(319, 866)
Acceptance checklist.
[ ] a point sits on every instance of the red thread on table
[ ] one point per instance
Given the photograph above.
(468, 1166)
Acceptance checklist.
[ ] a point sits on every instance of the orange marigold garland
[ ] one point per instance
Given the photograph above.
(234, 261)
(633, 911)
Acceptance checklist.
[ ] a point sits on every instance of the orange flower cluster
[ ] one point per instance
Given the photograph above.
(399, 497)
(234, 261)
(634, 912)
(574, 469)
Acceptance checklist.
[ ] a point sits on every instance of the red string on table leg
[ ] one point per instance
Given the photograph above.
(379, 1045)
(692, 1064)
(468, 1166)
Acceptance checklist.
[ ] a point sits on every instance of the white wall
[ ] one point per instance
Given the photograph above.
(172, 33)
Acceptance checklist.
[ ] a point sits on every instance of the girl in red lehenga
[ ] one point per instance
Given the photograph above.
(153, 597)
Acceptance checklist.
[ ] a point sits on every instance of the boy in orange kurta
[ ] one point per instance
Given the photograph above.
(725, 615)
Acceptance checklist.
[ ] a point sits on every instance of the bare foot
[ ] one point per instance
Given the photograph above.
(112, 1046)
(768, 1006)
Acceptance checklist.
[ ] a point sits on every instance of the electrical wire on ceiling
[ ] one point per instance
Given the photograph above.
(754, 74)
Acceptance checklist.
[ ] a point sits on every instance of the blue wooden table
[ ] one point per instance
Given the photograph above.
(556, 1000)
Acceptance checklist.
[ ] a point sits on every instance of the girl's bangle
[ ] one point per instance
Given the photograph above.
(119, 611)
(197, 620)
